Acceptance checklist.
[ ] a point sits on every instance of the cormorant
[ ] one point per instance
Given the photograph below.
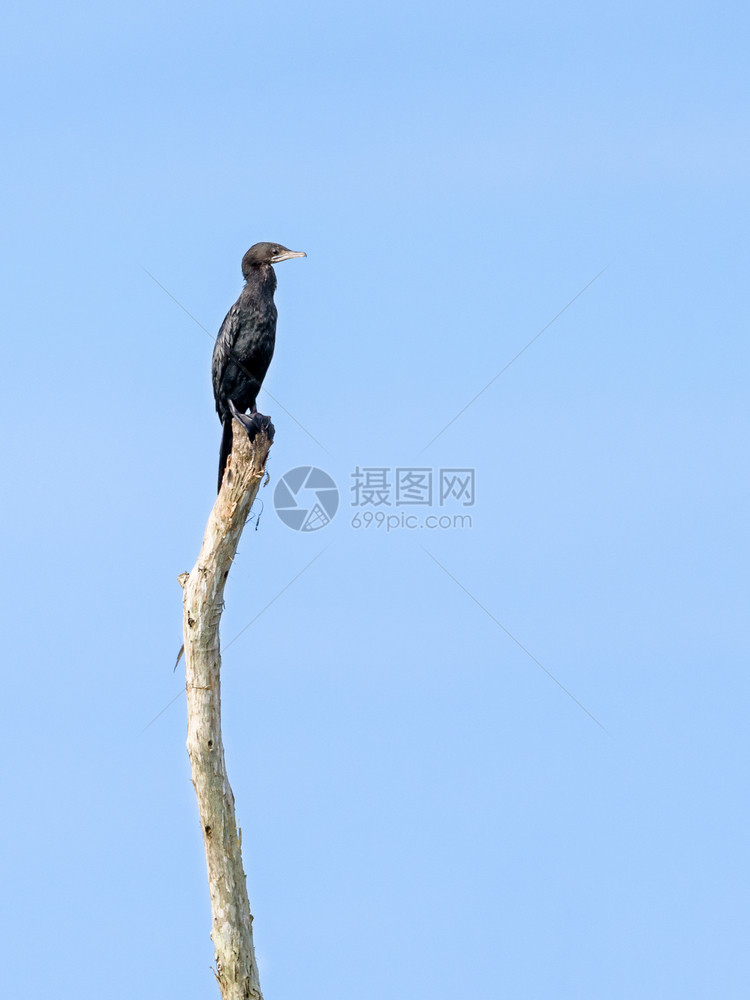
(244, 346)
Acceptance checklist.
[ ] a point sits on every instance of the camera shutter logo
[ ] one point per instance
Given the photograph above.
(306, 498)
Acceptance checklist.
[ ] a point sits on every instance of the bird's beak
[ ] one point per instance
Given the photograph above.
(287, 255)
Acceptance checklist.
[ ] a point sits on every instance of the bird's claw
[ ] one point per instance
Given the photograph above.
(254, 423)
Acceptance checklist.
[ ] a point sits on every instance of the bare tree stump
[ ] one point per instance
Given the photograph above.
(203, 596)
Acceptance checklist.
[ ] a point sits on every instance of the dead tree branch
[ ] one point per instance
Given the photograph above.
(203, 596)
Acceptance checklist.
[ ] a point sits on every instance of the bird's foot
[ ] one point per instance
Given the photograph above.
(254, 423)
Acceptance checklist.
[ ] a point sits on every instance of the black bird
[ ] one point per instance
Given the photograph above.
(244, 346)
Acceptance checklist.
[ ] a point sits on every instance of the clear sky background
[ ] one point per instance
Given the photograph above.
(425, 812)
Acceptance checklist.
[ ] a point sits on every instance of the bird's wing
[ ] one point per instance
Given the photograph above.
(223, 347)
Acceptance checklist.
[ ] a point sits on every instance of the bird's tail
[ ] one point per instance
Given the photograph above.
(226, 447)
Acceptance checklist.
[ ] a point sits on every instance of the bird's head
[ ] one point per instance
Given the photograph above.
(267, 253)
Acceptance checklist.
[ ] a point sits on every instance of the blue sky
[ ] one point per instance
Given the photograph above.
(421, 804)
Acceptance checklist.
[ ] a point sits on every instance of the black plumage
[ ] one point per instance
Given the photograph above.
(244, 346)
